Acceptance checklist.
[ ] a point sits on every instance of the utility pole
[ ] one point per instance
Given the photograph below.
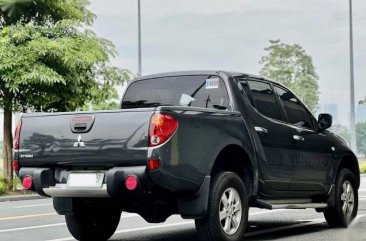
(139, 38)
(352, 79)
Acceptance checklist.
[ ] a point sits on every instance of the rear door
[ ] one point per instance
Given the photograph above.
(276, 165)
(312, 161)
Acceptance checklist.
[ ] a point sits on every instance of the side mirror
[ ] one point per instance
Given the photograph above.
(325, 121)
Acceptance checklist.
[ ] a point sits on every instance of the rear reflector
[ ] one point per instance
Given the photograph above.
(131, 182)
(27, 182)
(15, 165)
(17, 135)
(153, 164)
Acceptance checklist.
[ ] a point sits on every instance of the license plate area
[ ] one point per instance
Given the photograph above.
(85, 180)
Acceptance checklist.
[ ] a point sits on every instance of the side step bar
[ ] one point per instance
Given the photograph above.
(286, 204)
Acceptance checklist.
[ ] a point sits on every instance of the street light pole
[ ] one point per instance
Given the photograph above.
(139, 38)
(352, 79)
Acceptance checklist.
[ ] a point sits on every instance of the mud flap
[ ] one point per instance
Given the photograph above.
(63, 205)
(195, 206)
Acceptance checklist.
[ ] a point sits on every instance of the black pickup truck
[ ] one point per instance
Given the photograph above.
(205, 144)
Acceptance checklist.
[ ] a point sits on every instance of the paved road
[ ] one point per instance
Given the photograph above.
(36, 220)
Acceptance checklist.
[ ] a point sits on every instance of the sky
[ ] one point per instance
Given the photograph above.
(232, 35)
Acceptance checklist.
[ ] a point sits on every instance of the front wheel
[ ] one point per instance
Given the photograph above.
(86, 226)
(227, 214)
(346, 201)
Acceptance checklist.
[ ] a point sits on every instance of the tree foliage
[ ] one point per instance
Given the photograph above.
(55, 64)
(291, 66)
(51, 60)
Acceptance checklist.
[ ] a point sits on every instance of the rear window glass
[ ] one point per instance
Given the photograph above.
(264, 99)
(194, 91)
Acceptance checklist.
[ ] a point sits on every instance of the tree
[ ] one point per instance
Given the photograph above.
(292, 66)
(51, 60)
(361, 137)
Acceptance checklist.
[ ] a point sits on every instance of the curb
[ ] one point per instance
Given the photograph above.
(12, 198)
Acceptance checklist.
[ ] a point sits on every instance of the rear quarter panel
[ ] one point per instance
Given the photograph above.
(191, 152)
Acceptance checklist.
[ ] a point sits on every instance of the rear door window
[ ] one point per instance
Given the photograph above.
(195, 91)
(295, 111)
(264, 99)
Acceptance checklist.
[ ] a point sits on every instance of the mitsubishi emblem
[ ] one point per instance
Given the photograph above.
(79, 143)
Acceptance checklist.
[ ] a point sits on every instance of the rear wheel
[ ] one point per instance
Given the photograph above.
(227, 214)
(346, 201)
(92, 226)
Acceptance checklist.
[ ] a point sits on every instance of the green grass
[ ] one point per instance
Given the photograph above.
(2, 186)
(363, 167)
(16, 185)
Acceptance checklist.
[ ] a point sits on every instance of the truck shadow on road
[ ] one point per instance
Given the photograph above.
(265, 230)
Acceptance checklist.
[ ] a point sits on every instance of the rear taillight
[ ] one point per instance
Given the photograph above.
(162, 127)
(15, 165)
(17, 135)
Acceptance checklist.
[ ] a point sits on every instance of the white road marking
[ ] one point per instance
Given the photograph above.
(269, 211)
(128, 215)
(250, 234)
(34, 205)
(357, 219)
(137, 229)
(31, 227)
(168, 225)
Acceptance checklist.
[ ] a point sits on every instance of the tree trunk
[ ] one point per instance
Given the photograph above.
(8, 147)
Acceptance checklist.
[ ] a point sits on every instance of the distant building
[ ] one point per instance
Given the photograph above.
(361, 113)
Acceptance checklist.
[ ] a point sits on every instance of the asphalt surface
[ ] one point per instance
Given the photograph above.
(36, 220)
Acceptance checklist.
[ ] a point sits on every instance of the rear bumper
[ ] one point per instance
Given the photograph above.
(53, 183)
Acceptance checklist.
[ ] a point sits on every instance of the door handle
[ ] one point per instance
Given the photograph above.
(298, 138)
(261, 130)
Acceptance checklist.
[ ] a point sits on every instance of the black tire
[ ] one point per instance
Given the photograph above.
(210, 228)
(86, 226)
(334, 215)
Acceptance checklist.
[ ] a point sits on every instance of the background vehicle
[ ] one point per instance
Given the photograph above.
(206, 145)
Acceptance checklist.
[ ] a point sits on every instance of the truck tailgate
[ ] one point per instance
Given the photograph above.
(108, 138)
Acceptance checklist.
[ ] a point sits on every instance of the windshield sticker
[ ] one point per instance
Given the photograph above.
(186, 100)
(212, 83)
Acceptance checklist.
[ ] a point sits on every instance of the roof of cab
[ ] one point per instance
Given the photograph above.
(194, 72)
(201, 72)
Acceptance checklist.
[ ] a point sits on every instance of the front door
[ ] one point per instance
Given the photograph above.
(313, 150)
